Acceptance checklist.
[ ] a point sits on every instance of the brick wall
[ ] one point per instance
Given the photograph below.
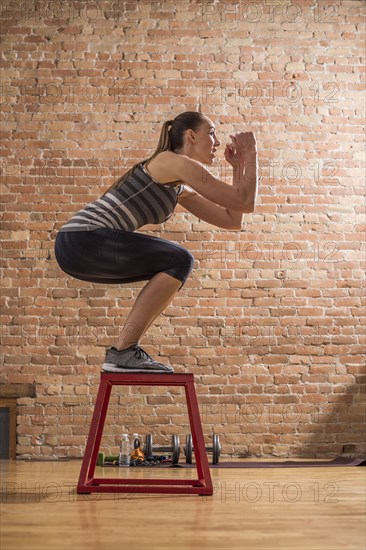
(271, 320)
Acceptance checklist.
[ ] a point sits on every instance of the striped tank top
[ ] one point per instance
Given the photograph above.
(137, 201)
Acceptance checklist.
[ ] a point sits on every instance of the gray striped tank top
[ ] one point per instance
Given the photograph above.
(138, 201)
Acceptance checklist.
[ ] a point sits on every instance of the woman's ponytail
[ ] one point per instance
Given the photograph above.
(171, 138)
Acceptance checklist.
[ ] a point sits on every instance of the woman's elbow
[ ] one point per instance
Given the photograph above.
(248, 209)
(244, 206)
(231, 226)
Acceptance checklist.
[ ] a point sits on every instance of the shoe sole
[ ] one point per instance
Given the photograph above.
(115, 368)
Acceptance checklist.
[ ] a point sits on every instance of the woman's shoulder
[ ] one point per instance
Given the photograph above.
(165, 157)
(162, 167)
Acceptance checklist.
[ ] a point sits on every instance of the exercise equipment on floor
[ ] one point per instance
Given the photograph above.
(174, 449)
(107, 460)
(151, 454)
(215, 449)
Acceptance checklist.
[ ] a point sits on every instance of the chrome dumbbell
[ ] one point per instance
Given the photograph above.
(215, 449)
(174, 449)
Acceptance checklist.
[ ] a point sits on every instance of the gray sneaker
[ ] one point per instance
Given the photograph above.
(133, 359)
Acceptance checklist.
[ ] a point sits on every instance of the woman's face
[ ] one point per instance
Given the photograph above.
(204, 142)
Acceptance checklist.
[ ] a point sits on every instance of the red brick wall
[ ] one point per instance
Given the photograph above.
(271, 320)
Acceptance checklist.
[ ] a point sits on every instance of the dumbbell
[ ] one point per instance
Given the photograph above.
(215, 449)
(104, 460)
(174, 450)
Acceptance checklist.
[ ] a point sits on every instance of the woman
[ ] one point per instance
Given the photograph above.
(99, 243)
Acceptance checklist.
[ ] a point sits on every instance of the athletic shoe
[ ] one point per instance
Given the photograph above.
(133, 359)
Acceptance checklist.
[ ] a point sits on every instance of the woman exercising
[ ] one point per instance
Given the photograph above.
(99, 243)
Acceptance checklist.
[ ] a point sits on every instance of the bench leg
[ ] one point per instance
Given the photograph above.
(95, 435)
(200, 453)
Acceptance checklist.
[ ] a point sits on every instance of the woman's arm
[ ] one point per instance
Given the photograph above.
(194, 174)
(208, 211)
(242, 155)
(245, 164)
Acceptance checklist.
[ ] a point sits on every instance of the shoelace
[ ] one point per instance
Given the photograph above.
(140, 353)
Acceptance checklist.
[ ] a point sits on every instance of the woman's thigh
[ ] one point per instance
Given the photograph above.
(114, 256)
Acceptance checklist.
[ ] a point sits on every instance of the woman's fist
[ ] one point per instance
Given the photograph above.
(241, 145)
(244, 141)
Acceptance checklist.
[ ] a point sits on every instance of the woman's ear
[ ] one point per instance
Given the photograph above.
(190, 135)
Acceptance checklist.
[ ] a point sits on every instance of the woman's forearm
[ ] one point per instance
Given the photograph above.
(246, 181)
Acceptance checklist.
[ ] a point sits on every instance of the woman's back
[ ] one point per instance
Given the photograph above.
(139, 200)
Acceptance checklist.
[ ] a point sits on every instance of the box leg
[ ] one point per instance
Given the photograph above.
(95, 435)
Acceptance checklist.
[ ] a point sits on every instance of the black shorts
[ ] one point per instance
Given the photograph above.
(116, 256)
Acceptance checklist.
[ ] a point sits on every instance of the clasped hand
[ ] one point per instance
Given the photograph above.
(242, 145)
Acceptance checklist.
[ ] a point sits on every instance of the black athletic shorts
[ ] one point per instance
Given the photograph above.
(116, 256)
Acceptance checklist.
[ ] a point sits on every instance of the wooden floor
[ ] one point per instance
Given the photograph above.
(307, 509)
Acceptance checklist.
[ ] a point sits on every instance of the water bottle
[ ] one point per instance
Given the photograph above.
(124, 452)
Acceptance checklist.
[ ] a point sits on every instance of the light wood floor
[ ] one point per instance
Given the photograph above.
(307, 509)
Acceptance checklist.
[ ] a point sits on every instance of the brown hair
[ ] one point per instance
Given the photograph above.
(171, 138)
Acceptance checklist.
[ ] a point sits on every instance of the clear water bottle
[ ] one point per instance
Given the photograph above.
(124, 452)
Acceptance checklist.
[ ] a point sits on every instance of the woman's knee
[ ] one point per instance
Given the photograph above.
(181, 264)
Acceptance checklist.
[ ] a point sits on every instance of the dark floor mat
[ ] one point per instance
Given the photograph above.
(340, 461)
